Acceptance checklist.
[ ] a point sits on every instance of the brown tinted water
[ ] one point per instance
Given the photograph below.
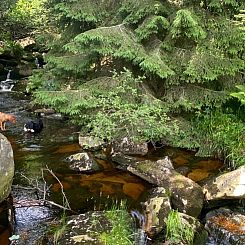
(84, 192)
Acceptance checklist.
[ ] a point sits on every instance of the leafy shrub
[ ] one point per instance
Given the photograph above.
(121, 110)
(222, 135)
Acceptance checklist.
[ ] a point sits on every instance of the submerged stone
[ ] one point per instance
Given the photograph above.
(198, 174)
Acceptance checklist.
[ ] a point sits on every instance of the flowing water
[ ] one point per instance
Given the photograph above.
(35, 153)
(7, 84)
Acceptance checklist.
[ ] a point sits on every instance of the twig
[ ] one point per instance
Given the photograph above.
(62, 188)
(42, 201)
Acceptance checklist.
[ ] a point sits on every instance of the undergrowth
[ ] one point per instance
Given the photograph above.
(122, 231)
(177, 231)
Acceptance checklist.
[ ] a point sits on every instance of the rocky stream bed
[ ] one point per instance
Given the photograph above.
(139, 174)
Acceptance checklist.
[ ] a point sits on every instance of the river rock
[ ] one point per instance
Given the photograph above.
(85, 228)
(186, 195)
(122, 160)
(230, 185)
(157, 208)
(226, 227)
(128, 147)
(83, 162)
(6, 167)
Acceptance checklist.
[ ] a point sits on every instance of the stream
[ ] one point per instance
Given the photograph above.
(58, 140)
(85, 192)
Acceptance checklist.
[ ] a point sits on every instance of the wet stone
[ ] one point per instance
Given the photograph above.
(226, 227)
(83, 162)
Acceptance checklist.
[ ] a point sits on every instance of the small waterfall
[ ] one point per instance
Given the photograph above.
(141, 237)
(8, 76)
(7, 84)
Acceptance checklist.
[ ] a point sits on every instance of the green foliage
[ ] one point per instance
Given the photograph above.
(222, 54)
(153, 25)
(23, 16)
(120, 43)
(191, 54)
(12, 48)
(241, 94)
(60, 230)
(185, 24)
(190, 97)
(178, 232)
(29, 12)
(122, 231)
(86, 11)
(223, 6)
(136, 12)
(123, 110)
(37, 81)
(222, 135)
(240, 19)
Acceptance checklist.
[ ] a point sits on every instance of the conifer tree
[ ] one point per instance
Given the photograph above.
(188, 56)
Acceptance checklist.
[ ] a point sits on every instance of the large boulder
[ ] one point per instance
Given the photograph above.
(186, 195)
(6, 167)
(230, 185)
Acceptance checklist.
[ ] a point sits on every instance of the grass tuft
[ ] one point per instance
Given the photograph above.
(122, 231)
(177, 231)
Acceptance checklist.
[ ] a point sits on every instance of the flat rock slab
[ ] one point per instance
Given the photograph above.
(229, 185)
